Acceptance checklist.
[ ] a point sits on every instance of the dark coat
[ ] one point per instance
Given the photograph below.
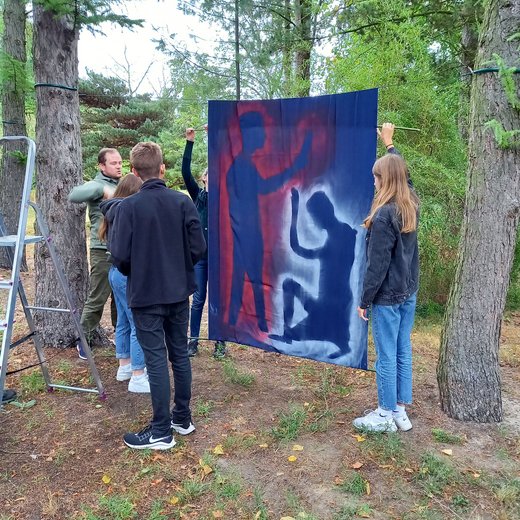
(155, 240)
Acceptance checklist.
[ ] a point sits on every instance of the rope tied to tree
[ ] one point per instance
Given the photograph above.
(55, 85)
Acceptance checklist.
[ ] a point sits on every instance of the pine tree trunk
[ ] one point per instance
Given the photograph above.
(468, 371)
(12, 168)
(303, 17)
(59, 168)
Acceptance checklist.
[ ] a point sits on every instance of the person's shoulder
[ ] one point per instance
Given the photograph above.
(386, 213)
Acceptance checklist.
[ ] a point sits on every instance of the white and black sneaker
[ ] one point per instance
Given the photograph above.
(374, 421)
(145, 440)
(184, 428)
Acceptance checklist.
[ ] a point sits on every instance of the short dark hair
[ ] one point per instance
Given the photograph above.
(146, 158)
(102, 155)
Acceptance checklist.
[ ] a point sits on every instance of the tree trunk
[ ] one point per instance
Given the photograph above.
(12, 167)
(59, 168)
(468, 371)
(303, 18)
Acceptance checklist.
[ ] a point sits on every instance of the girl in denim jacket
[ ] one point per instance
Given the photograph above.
(390, 287)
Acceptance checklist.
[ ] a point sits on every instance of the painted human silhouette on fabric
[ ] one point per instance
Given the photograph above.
(244, 185)
(324, 314)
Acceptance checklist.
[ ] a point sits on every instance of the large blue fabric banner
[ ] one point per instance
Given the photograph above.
(289, 185)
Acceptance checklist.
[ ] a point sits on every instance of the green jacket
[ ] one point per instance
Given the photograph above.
(92, 193)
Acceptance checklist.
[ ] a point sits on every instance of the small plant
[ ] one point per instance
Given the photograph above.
(233, 375)
(460, 502)
(228, 487)
(290, 424)
(32, 383)
(447, 438)
(346, 513)
(203, 408)
(112, 507)
(191, 489)
(508, 492)
(237, 442)
(385, 447)
(354, 484)
(261, 511)
(435, 474)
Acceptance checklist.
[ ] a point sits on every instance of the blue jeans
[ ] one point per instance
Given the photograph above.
(127, 345)
(199, 297)
(162, 331)
(391, 328)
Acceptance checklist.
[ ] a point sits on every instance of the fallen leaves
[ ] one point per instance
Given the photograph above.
(106, 479)
(218, 449)
(358, 437)
(292, 458)
(297, 447)
(357, 465)
(447, 451)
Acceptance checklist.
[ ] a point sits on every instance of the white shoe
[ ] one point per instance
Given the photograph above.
(124, 372)
(139, 384)
(402, 421)
(375, 422)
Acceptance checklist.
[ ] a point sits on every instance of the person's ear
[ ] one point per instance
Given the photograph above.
(135, 172)
(162, 171)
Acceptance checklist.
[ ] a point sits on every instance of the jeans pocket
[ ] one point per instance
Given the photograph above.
(148, 322)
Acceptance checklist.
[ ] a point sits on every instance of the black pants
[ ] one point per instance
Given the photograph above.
(162, 332)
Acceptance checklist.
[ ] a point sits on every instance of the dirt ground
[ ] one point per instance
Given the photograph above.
(274, 440)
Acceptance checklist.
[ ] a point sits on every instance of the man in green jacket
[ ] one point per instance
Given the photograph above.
(93, 192)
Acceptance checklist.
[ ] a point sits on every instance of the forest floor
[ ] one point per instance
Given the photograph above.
(274, 440)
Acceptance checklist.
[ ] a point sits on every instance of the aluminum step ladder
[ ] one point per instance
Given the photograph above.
(14, 246)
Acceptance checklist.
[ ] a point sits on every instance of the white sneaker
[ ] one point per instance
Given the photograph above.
(124, 372)
(375, 422)
(402, 421)
(139, 384)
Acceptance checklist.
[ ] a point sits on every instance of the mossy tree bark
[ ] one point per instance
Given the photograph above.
(468, 371)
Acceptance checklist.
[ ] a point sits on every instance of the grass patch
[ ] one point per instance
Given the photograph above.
(112, 507)
(290, 424)
(354, 484)
(203, 408)
(191, 489)
(239, 442)
(435, 474)
(384, 447)
(445, 437)
(508, 493)
(32, 383)
(227, 486)
(233, 375)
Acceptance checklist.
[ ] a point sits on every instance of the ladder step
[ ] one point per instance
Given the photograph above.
(55, 309)
(10, 240)
(5, 284)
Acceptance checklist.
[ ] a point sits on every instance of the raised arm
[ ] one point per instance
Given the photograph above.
(89, 191)
(295, 244)
(386, 134)
(274, 182)
(191, 184)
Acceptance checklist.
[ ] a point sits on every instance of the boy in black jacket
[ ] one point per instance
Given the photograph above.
(157, 240)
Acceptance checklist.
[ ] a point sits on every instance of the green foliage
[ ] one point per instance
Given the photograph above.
(289, 424)
(506, 139)
(506, 75)
(435, 474)
(112, 507)
(235, 376)
(354, 484)
(33, 382)
(445, 437)
(419, 87)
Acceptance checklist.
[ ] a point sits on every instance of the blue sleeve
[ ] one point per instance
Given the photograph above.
(121, 239)
(191, 184)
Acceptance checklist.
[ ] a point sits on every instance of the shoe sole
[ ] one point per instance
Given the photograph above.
(134, 391)
(388, 429)
(405, 429)
(154, 446)
(80, 356)
(183, 431)
(121, 379)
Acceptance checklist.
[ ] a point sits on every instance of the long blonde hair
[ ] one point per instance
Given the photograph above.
(393, 176)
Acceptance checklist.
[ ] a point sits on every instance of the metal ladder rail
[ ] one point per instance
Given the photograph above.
(7, 326)
(15, 286)
(72, 308)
